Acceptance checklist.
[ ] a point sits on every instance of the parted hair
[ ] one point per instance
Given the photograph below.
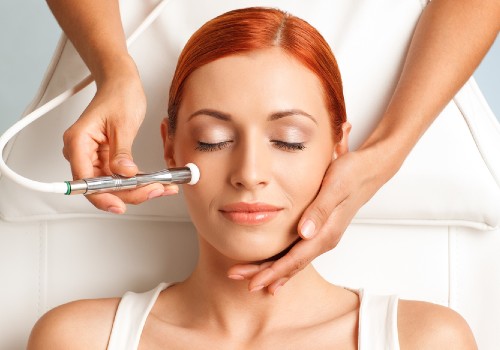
(256, 28)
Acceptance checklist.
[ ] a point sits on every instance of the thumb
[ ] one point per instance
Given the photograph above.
(120, 145)
(318, 212)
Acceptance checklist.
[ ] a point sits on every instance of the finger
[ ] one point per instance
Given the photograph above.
(115, 202)
(288, 265)
(274, 287)
(80, 151)
(246, 271)
(305, 251)
(121, 139)
(101, 163)
(142, 194)
(319, 211)
(87, 158)
(107, 202)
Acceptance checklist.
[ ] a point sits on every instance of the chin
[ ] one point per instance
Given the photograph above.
(259, 253)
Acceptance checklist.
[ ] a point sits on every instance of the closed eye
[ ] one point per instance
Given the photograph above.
(210, 147)
(289, 146)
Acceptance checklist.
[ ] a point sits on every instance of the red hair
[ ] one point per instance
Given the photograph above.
(244, 30)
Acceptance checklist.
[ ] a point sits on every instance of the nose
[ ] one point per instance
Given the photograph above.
(252, 162)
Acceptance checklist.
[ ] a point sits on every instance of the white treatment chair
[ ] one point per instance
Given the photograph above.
(432, 233)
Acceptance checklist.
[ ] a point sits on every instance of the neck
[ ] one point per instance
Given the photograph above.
(229, 306)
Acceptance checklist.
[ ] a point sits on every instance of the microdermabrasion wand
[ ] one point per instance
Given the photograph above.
(190, 174)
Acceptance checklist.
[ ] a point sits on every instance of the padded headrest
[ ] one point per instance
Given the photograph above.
(452, 175)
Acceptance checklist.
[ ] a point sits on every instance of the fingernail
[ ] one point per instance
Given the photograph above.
(236, 277)
(155, 193)
(115, 210)
(126, 162)
(170, 192)
(308, 228)
(256, 288)
(277, 289)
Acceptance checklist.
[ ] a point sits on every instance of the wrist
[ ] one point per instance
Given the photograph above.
(120, 89)
(385, 156)
(120, 68)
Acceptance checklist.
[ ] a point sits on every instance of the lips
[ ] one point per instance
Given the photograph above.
(250, 213)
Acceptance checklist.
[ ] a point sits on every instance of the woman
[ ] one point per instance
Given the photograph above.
(450, 39)
(256, 102)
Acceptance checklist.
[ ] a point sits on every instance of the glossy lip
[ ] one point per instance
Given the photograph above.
(250, 214)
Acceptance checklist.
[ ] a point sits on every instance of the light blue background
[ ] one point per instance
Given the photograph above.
(29, 34)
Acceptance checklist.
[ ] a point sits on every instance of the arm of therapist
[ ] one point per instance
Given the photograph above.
(100, 141)
(449, 42)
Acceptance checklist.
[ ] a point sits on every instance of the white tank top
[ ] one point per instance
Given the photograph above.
(378, 322)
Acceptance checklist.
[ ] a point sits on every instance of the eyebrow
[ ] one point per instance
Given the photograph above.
(273, 116)
(211, 113)
(290, 112)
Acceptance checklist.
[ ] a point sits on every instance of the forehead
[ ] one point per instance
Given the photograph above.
(258, 81)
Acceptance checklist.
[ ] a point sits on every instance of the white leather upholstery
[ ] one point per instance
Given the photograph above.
(431, 233)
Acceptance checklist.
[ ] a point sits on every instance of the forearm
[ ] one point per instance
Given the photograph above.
(94, 27)
(450, 40)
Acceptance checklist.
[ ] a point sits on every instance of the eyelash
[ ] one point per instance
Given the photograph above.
(286, 146)
(289, 146)
(210, 147)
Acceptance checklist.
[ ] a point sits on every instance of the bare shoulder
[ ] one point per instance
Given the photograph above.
(424, 325)
(83, 324)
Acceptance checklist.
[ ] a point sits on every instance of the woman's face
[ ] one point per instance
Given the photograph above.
(258, 128)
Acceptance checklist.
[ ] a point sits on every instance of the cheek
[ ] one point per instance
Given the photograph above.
(212, 174)
(301, 178)
(185, 152)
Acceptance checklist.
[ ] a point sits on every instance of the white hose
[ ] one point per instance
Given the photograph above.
(59, 187)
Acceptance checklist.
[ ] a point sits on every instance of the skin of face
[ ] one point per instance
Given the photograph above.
(257, 126)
